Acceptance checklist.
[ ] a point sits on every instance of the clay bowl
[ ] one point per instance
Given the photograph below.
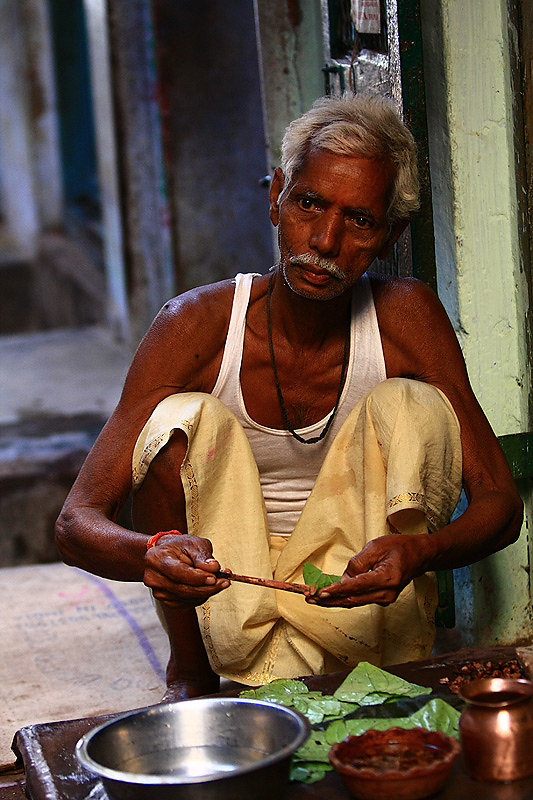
(395, 763)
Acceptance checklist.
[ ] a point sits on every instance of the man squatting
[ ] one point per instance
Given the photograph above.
(314, 413)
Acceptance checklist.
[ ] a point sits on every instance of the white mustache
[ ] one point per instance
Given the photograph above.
(320, 263)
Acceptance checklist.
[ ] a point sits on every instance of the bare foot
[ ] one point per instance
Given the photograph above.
(173, 694)
(185, 690)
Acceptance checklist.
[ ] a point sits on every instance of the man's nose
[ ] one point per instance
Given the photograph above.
(326, 234)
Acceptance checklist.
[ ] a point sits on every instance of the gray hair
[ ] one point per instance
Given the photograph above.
(363, 125)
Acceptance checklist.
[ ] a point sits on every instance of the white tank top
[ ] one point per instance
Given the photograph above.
(287, 468)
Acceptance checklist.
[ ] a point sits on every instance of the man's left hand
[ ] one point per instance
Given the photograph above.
(377, 574)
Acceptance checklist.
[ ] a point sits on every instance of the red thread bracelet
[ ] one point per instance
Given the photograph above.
(153, 539)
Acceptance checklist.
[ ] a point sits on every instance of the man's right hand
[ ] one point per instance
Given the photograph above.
(180, 571)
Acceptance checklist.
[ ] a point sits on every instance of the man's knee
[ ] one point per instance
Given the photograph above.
(167, 463)
(193, 412)
(159, 500)
(397, 390)
(408, 395)
(409, 411)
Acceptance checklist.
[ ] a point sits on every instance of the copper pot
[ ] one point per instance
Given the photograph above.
(496, 728)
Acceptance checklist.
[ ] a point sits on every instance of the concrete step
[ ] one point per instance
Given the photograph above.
(60, 373)
(57, 389)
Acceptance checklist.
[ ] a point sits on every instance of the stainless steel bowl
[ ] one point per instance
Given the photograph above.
(205, 749)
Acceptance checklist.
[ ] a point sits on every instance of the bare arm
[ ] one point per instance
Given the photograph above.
(419, 342)
(179, 353)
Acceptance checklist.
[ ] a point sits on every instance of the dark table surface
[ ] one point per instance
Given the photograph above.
(48, 767)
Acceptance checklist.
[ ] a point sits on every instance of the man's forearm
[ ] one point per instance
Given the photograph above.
(86, 538)
(491, 521)
(382, 569)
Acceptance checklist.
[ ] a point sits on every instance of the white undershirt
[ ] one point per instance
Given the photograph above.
(288, 468)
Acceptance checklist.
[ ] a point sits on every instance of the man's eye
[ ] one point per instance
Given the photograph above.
(306, 203)
(360, 221)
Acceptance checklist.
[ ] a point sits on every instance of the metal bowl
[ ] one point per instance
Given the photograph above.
(204, 749)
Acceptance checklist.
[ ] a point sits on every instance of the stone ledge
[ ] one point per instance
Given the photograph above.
(46, 457)
(36, 474)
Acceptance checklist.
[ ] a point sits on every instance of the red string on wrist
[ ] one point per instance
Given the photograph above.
(153, 539)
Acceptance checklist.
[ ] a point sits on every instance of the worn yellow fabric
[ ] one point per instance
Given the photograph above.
(399, 450)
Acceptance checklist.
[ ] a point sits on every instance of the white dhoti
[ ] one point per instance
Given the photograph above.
(398, 449)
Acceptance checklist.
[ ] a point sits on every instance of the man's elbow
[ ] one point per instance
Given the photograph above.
(516, 518)
(63, 534)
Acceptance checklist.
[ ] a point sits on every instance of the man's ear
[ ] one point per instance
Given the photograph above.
(276, 187)
(395, 233)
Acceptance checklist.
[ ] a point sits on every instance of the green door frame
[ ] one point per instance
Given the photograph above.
(517, 447)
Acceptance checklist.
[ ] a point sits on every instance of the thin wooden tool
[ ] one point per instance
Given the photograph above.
(300, 588)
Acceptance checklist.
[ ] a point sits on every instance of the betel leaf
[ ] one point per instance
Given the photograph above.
(282, 690)
(317, 707)
(435, 715)
(439, 715)
(308, 771)
(313, 576)
(316, 748)
(335, 732)
(369, 685)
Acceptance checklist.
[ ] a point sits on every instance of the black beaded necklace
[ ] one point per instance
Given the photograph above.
(346, 352)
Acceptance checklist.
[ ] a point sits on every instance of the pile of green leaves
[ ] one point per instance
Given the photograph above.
(368, 698)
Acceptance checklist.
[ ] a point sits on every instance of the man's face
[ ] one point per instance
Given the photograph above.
(332, 222)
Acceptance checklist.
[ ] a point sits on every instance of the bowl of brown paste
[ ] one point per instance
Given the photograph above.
(399, 763)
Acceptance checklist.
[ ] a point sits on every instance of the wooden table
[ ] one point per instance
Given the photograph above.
(51, 770)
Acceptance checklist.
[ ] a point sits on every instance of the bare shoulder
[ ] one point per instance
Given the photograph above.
(398, 296)
(183, 348)
(417, 336)
(203, 311)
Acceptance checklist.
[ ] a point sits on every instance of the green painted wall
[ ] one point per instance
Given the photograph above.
(291, 49)
(481, 271)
